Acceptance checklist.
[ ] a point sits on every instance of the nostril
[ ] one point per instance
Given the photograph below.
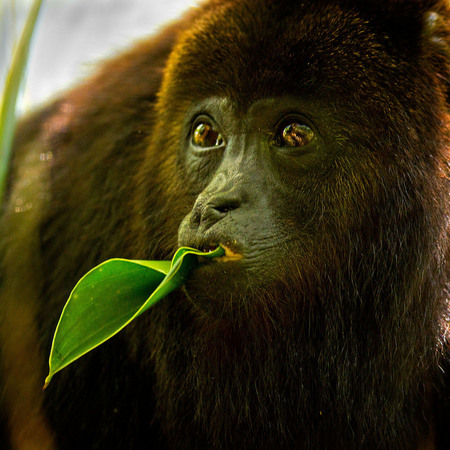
(207, 211)
(225, 206)
(223, 209)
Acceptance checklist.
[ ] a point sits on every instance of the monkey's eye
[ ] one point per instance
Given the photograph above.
(293, 134)
(205, 136)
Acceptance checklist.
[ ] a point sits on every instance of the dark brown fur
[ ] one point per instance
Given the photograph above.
(334, 338)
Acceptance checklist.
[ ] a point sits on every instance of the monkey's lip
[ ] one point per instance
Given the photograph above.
(231, 253)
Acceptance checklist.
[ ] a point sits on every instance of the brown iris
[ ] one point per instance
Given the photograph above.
(206, 136)
(294, 134)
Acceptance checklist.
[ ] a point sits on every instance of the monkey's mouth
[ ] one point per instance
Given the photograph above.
(231, 253)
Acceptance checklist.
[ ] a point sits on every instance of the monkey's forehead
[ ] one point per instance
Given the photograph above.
(248, 50)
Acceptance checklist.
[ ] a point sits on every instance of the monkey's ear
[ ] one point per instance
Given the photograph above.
(407, 6)
(407, 21)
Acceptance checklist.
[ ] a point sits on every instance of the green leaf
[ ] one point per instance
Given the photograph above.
(9, 98)
(110, 296)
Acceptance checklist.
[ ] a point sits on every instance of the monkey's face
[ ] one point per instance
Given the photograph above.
(257, 176)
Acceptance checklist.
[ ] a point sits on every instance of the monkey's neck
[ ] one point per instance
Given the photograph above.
(333, 384)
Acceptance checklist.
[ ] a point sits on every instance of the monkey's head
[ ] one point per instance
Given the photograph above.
(305, 145)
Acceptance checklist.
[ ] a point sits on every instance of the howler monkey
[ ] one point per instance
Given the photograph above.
(310, 138)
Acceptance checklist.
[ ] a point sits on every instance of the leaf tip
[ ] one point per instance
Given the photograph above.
(47, 381)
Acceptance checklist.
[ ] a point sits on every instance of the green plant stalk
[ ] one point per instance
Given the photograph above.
(13, 83)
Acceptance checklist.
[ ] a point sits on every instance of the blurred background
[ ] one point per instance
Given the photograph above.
(73, 36)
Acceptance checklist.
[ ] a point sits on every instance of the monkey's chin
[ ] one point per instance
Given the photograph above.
(218, 286)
